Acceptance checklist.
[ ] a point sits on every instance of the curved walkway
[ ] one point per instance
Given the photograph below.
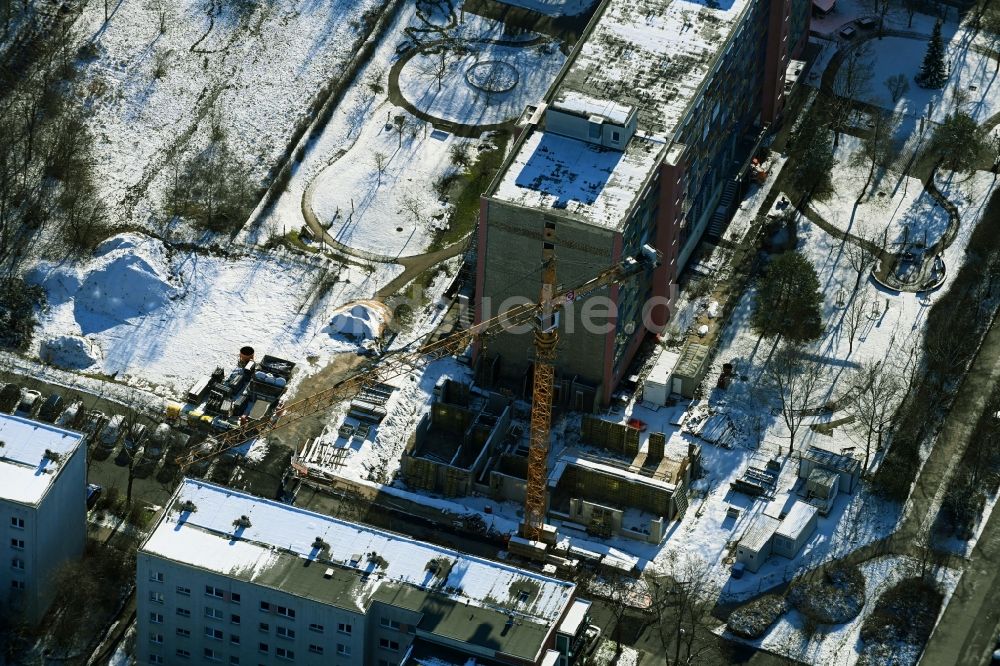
(413, 265)
(921, 284)
(458, 129)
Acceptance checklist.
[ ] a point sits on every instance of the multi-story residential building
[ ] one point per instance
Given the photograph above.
(43, 510)
(655, 115)
(229, 578)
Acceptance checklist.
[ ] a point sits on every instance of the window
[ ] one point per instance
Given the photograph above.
(315, 649)
(388, 624)
(155, 659)
(183, 654)
(17, 563)
(344, 628)
(344, 650)
(235, 619)
(262, 647)
(156, 576)
(234, 639)
(211, 655)
(156, 597)
(235, 597)
(17, 585)
(318, 628)
(183, 612)
(184, 591)
(17, 544)
(17, 523)
(287, 612)
(616, 136)
(156, 638)
(214, 613)
(386, 644)
(264, 627)
(212, 591)
(214, 634)
(156, 618)
(265, 607)
(184, 633)
(285, 632)
(234, 660)
(282, 653)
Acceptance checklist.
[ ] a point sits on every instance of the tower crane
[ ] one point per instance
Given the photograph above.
(543, 315)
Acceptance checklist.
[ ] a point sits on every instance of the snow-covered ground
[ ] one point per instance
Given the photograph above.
(153, 318)
(456, 99)
(554, 7)
(840, 645)
(154, 93)
(396, 213)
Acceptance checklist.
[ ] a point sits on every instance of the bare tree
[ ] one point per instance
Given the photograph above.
(898, 85)
(797, 382)
(878, 148)
(374, 80)
(854, 317)
(681, 604)
(381, 161)
(852, 81)
(880, 8)
(413, 207)
(401, 124)
(878, 388)
(862, 255)
(459, 154)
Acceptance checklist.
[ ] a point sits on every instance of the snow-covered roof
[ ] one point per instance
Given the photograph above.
(654, 55)
(575, 617)
(26, 470)
(585, 181)
(573, 101)
(663, 367)
(796, 520)
(759, 533)
(365, 563)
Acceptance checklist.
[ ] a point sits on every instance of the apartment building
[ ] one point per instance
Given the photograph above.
(230, 578)
(43, 510)
(653, 119)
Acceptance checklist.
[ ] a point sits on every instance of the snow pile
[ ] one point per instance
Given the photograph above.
(71, 352)
(358, 322)
(129, 280)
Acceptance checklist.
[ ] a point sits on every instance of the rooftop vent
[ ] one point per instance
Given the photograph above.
(328, 574)
(242, 521)
(355, 559)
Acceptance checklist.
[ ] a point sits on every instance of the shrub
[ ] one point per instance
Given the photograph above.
(18, 301)
(753, 619)
(900, 623)
(837, 598)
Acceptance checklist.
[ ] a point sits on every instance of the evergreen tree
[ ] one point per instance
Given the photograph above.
(788, 302)
(932, 73)
(812, 155)
(957, 142)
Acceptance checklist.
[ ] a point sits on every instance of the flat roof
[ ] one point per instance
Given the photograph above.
(462, 596)
(831, 460)
(26, 472)
(575, 617)
(573, 101)
(795, 521)
(579, 179)
(759, 532)
(654, 55)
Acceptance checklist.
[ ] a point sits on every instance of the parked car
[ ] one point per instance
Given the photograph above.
(10, 395)
(848, 32)
(30, 400)
(50, 408)
(93, 422)
(135, 436)
(157, 441)
(112, 431)
(70, 415)
(93, 494)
